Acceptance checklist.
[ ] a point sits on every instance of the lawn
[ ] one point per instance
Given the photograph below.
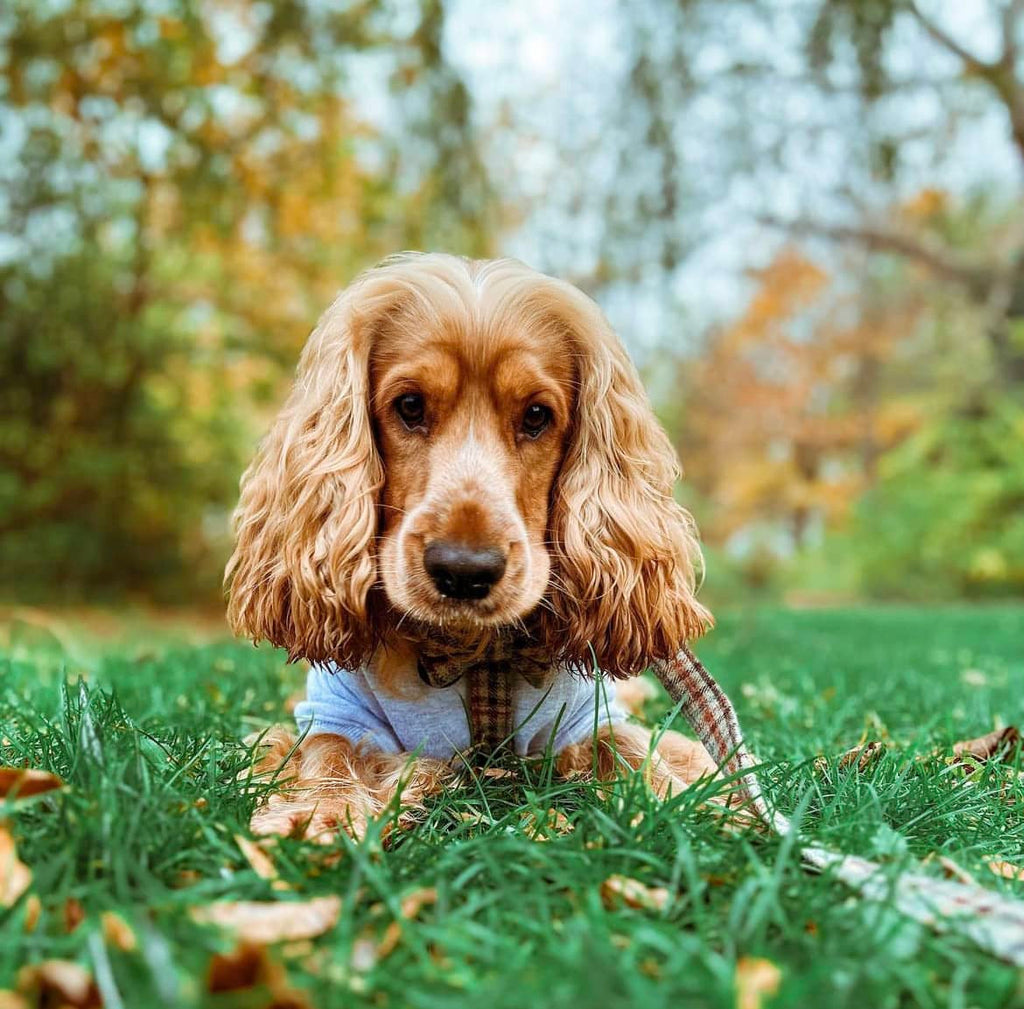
(148, 737)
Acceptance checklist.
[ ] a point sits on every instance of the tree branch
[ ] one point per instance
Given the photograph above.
(944, 39)
(976, 278)
(1012, 13)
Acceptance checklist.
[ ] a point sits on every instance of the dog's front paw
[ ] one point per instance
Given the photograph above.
(317, 820)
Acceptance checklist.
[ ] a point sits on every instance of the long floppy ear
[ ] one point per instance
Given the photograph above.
(304, 566)
(624, 552)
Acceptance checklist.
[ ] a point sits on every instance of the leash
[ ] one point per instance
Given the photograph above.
(993, 922)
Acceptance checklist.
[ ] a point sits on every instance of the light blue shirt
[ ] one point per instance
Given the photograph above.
(433, 721)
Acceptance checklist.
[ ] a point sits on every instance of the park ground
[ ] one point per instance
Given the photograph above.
(513, 890)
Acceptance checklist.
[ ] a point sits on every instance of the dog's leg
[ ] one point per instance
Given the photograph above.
(673, 764)
(329, 784)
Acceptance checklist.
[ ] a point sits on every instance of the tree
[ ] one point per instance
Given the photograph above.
(190, 184)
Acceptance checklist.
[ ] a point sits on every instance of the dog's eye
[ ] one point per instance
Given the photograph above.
(535, 420)
(410, 408)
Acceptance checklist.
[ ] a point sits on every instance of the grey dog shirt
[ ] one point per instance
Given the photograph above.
(433, 721)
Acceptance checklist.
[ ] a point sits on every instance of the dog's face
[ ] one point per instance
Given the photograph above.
(471, 424)
(466, 444)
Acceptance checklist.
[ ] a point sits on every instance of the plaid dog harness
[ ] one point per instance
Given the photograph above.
(491, 674)
(992, 921)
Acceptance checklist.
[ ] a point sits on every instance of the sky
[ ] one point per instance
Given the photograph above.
(555, 70)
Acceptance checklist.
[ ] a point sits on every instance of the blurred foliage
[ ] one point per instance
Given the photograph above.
(185, 184)
(190, 188)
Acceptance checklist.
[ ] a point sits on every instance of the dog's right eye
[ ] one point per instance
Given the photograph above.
(411, 410)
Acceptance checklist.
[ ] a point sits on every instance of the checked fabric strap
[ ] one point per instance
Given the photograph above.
(994, 922)
(491, 673)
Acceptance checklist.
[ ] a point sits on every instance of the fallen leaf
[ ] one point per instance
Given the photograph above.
(74, 914)
(249, 967)
(33, 910)
(23, 782)
(498, 772)
(542, 828)
(413, 903)
(633, 893)
(260, 862)
(272, 921)
(996, 745)
(15, 876)
(117, 932)
(59, 983)
(756, 978)
(1006, 869)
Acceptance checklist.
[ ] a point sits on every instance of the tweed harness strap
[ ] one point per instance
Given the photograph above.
(992, 921)
(491, 675)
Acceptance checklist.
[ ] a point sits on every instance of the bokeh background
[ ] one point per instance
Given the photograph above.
(805, 217)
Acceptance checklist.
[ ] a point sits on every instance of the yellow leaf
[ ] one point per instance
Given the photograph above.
(755, 979)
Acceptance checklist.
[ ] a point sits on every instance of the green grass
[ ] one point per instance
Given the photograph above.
(150, 745)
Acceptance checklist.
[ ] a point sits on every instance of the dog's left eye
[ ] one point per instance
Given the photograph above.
(535, 420)
(410, 408)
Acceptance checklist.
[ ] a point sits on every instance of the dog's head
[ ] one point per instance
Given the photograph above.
(466, 444)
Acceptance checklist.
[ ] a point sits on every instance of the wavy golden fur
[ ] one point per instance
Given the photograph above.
(605, 570)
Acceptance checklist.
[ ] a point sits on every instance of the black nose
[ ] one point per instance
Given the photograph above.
(462, 572)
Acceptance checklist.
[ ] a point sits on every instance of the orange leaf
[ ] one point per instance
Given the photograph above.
(633, 893)
(22, 782)
(1006, 869)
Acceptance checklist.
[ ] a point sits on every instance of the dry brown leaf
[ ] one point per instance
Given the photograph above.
(1006, 869)
(388, 941)
(272, 921)
(59, 983)
(413, 903)
(74, 914)
(15, 876)
(633, 893)
(996, 745)
(249, 967)
(117, 932)
(498, 772)
(542, 828)
(756, 979)
(260, 862)
(33, 910)
(23, 782)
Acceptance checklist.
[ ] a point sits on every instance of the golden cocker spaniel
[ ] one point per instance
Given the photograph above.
(463, 510)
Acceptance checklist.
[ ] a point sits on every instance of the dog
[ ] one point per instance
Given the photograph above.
(464, 510)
